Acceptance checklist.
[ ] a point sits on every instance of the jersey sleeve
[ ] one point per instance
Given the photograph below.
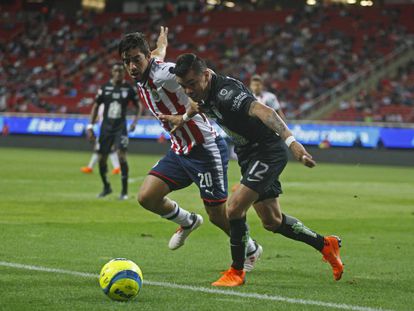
(165, 78)
(235, 98)
(99, 98)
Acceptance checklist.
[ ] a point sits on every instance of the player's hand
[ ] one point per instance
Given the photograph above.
(300, 153)
(132, 127)
(194, 105)
(162, 40)
(90, 135)
(176, 121)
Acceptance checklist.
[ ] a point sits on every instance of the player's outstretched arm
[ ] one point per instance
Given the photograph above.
(177, 121)
(273, 121)
(162, 42)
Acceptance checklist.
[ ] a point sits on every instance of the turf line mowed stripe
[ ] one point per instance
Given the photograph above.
(256, 296)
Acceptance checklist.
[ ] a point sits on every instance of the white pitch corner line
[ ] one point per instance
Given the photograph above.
(257, 296)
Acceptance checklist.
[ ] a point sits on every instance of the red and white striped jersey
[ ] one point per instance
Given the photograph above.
(163, 95)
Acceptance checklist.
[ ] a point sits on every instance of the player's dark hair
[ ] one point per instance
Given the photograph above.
(187, 62)
(132, 41)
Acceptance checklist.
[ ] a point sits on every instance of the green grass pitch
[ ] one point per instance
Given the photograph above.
(50, 218)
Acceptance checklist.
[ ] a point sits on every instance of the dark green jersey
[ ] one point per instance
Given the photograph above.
(228, 104)
(115, 99)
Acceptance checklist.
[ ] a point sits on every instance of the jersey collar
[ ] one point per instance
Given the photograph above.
(213, 83)
(145, 76)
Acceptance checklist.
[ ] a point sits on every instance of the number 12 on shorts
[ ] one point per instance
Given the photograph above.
(257, 171)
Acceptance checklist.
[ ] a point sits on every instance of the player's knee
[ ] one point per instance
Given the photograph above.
(236, 207)
(144, 199)
(216, 215)
(272, 224)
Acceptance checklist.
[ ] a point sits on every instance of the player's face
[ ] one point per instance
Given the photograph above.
(135, 63)
(118, 74)
(195, 85)
(256, 87)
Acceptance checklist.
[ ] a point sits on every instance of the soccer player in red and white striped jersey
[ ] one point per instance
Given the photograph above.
(198, 154)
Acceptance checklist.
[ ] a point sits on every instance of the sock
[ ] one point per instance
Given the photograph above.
(93, 160)
(239, 235)
(114, 159)
(102, 171)
(179, 216)
(124, 177)
(294, 229)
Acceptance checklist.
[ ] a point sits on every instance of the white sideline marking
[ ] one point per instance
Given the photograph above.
(204, 289)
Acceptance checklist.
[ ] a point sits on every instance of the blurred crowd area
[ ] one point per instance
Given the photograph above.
(52, 62)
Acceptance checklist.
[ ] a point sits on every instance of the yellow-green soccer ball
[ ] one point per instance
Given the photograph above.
(121, 279)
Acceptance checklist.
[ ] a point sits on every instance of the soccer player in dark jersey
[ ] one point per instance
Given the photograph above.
(115, 96)
(259, 135)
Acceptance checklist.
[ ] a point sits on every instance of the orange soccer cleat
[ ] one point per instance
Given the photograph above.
(116, 171)
(86, 170)
(331, 254)
(231, 278)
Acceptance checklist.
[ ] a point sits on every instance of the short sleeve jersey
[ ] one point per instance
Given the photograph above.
(269, 99)
(115, 99)
(162, 94)
(228, 104)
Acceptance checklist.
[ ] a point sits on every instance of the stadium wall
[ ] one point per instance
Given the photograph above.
(149, 146)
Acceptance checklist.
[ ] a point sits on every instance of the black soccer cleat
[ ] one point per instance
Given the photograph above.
(105, 192)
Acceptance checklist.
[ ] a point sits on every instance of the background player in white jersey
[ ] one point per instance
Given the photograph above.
(113, 156)
(267, 98)
(198, 154)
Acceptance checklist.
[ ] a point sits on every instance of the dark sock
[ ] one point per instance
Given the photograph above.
(239, 234)
(103, 168)
(124, 177)
(294, 229)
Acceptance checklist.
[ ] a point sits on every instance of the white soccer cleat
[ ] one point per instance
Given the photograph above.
(252, 258)
(179, 237)
(123, 197)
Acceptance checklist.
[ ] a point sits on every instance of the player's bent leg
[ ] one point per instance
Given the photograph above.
(274, 220)
(269, 213)
(152, 196)
(218, 216)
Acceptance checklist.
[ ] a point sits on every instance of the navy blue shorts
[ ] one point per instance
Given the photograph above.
(205, 165)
